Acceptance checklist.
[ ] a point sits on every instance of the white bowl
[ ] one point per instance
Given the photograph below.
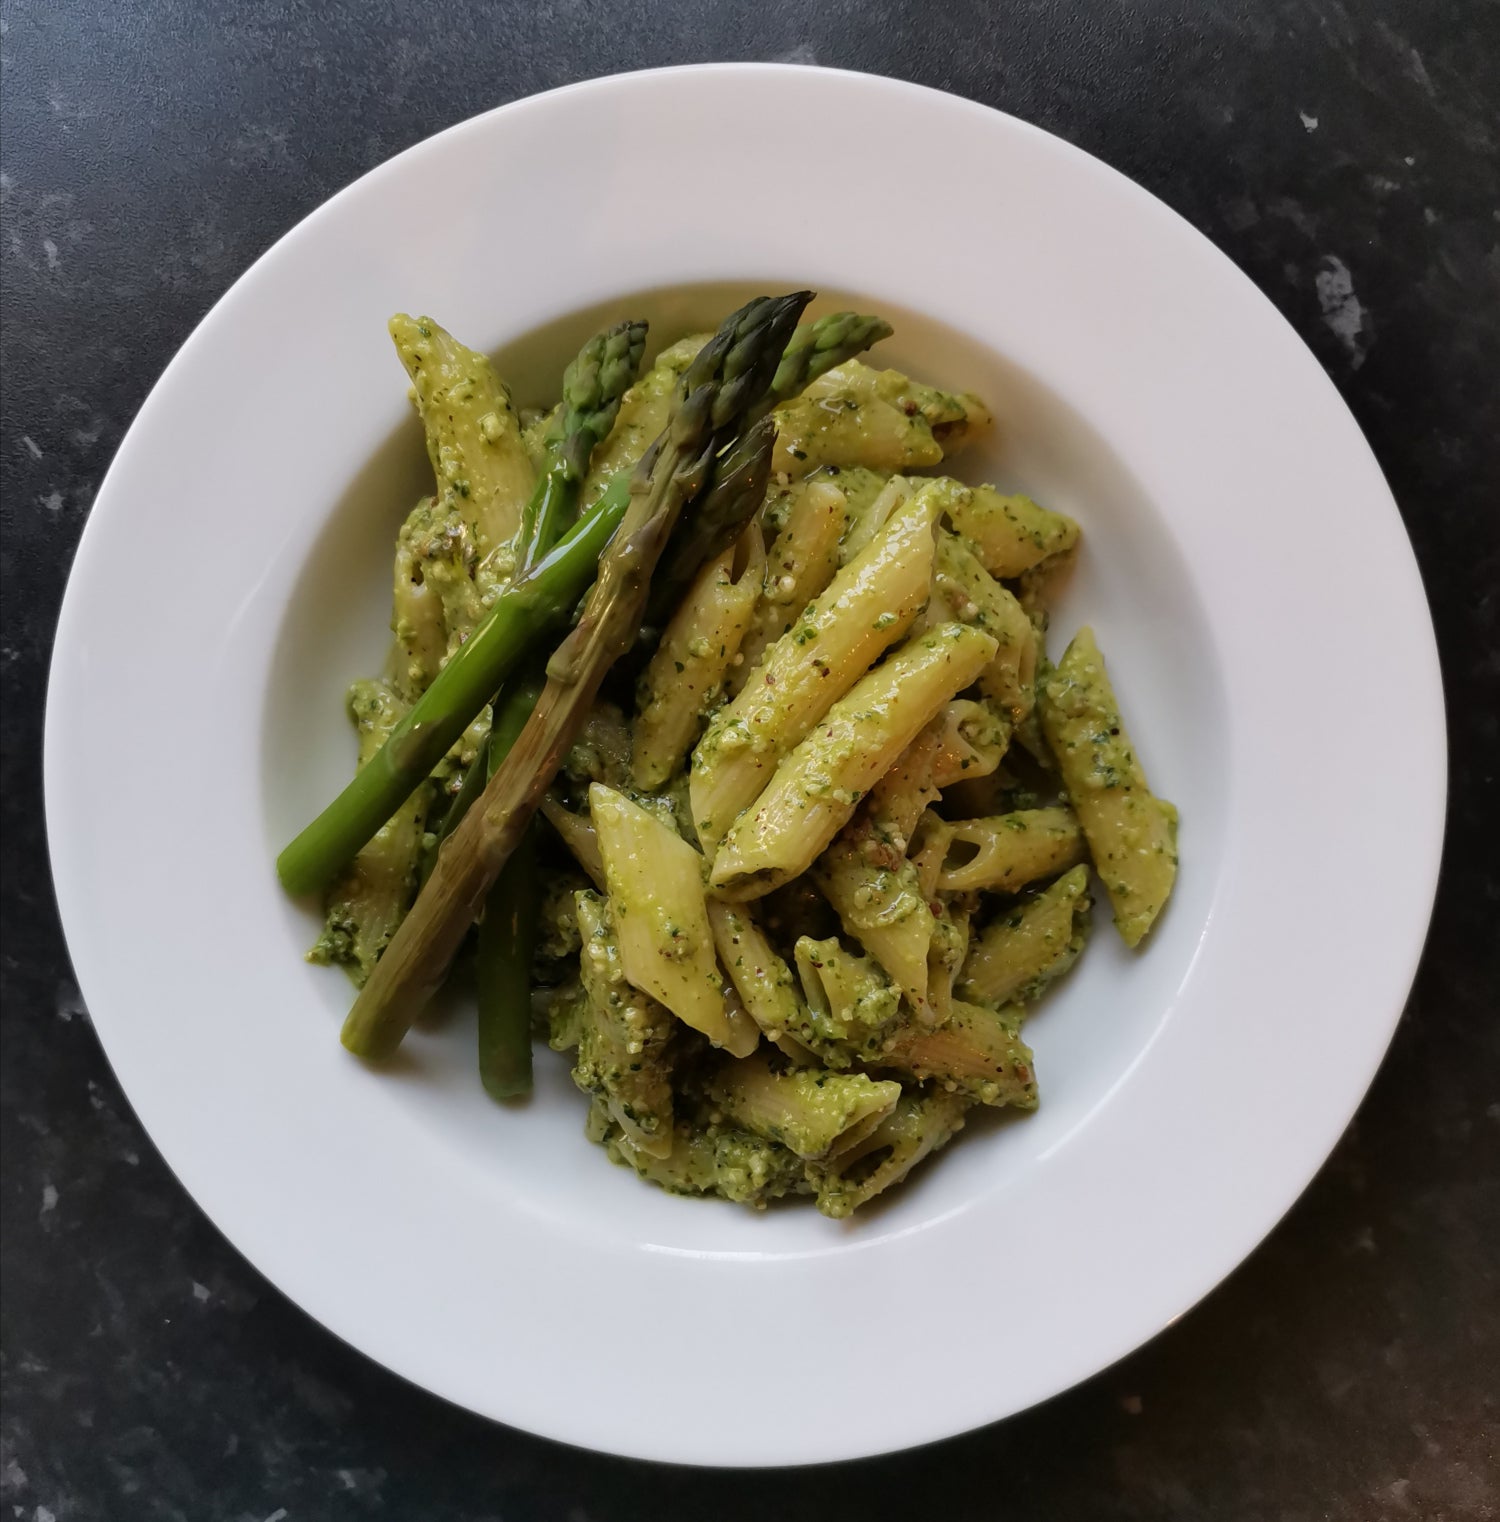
(1244, 566)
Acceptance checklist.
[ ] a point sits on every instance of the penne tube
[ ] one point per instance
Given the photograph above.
(817, 785)
(621, 1036)
(945, 956)
(417, 620)
(1132, 834)
(929, 845)
(964, 742)
(577, 833)
(921, 1123)
(1010, 534)
(853, 415)
(473, 431)
(867, 607)
(800, 564)
(810, 1111)
(766, 985)
(1006, 851)
(655, 881)
(851, 1004)
(863, 490)
(874, 891)
(868, 521)
(696, 651)
(977, 1052)
(973, 596)
(1023, 948)
(725, 1160)
(856, 415)
(643, 414)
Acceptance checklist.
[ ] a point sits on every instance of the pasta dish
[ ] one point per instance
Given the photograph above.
(718, 744)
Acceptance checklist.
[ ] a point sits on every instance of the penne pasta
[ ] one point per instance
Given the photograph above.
(851, 1004)
(945, 955)
(1005, 852)
(764, 982)
(810, 1111)
(536, 423)
(922, 1122)
(708, 1159)
(818, 784)
(473, 433)
(862, 489)
(874, 890)
(972, 595)
(866, 522)
(621, 1035)
(964, 742)
(696, 652)
(800, 564)
(418, 619)
(856, 415)
(643, 413)
(977, 1052)
(666, 946)
(867, 607)
(1010, 533)
(865, 874)
(578, 834)
(853, 416)
(1132, 834)
(929, 849)
(1025, 947)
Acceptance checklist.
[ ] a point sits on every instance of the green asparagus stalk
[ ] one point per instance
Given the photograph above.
(593, 385)
(740, 476)
(818, 347)
(733, 498)
(540, 599)
(507, 929)
(728, 378)
(507, 939)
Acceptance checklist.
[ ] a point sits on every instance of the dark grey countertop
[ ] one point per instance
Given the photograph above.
(1347, 156)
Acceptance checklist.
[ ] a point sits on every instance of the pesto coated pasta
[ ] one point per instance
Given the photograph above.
(827, 824)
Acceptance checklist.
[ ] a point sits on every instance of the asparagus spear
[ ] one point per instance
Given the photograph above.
(734, 497)
(740, 476)
(599, 375)
(728, 378)
(592, 387)
(544, 596)
(818, 347)
(507, 931)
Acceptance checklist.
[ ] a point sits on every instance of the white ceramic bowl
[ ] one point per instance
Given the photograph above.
(1244, 566)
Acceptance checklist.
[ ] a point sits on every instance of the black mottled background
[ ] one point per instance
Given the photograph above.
(1346, 155)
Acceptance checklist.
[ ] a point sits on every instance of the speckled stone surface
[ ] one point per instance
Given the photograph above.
(1347, 156)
